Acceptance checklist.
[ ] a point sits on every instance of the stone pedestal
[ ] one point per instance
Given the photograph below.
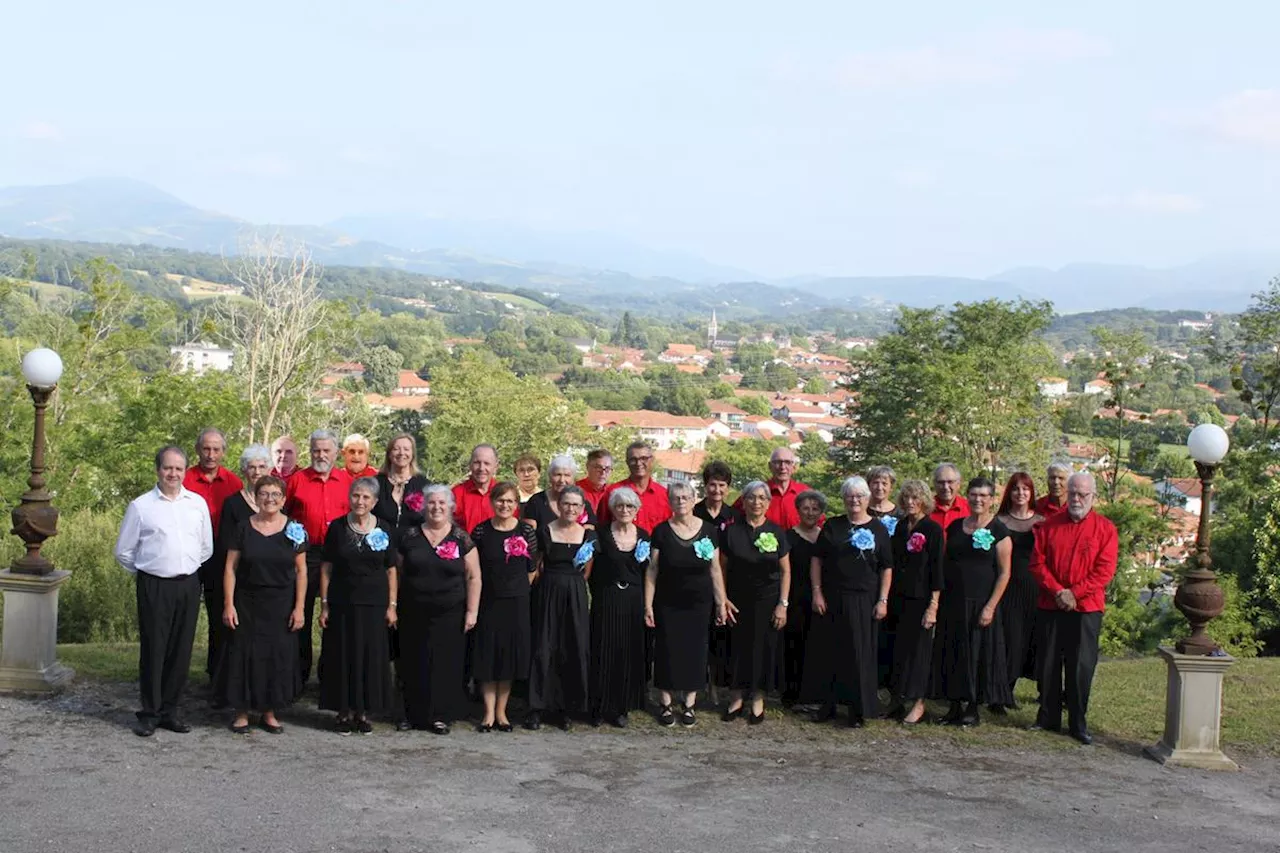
(1193, 712)
(29, 650)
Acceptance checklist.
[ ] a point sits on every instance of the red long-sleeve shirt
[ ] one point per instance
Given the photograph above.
(1046, 507)
(591, 493)
(655, 505)
(470, 505)
(782, 503)
(944, 517)
(313, 502)
(223, 485)
(1075, 555)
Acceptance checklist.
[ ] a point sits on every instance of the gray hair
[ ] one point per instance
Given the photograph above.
(253, 453)
(854, 486)
(214, 431)
(1059, 467)
(621, 497)
(440, 489)
(571, 490)
(1086, 477)
(356, 439)
(368, 484)
(947, 466)
(681, 487)
(755, 486)
(778, 450)
(881, 471)
(563, 462)
(813, 495)
(323, 435)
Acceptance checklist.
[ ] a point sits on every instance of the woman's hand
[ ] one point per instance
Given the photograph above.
(296, 620)
(230, 618)
(779, 617)
(393, 617)
(986, 616)
(324, 616)
(930, 617)
(819, 603)
(648, 617)
(730, 613)
(469, 621)
(881, 611)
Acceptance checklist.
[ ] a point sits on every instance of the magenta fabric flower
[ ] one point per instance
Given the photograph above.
(916, 543)
(583, 518)
(447, 550)
(516, 546)
(415, 501)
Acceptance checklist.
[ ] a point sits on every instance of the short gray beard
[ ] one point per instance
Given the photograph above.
(1078, 514)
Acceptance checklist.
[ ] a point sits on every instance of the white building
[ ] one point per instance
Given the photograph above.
(200, 356)
(663, 431)
(1052, 387)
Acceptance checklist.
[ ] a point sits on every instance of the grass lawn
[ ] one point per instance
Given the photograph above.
(1126, 708)
(1110, 445)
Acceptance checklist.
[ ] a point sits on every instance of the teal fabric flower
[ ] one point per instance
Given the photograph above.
(378, 539)
(642, 550)
(704, 548)
(295, 533)
(767, 543)
(586, 551)
(983, 539)
(862, 539)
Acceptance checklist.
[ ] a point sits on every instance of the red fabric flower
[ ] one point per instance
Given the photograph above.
(516, 546)
(448, 550)
(415, 501)
(916, 543)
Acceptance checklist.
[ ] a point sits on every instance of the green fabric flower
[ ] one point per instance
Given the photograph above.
(767, 543)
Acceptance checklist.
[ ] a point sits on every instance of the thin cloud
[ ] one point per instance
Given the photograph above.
(1251, 115)
(1146, 201)
(40, 131)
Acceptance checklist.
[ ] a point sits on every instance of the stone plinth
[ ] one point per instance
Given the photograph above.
(1193, 712)
(29, 649)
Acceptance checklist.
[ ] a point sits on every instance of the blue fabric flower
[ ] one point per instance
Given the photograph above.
(295, 533)
(586, 551)
(890, 523)
(862, 539)
(704, 548)
(642, 550)
(378, 539)
(983, 539)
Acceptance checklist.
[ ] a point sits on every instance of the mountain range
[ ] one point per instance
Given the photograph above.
(601, 270)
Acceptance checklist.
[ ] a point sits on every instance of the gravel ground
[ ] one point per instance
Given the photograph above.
(73, 777)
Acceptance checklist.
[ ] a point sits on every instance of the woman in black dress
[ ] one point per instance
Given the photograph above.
(617, 671)
(803, 542)
(880, 480)
(683, 591)
(528, 471)
(438, 582)
(716, 479)
(969, 659)
(400, 486)
(561, 630)
(917, 587)
(544, 507)
(357, 605)
(1018, 606)
(851, 578)
(264, 587)
(501, 649)
(754, 556)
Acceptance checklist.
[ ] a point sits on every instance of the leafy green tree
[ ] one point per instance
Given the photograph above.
(1076, 416)
(754, 405)
(674, 392)
(816, 385)
(1142, 451)
(381, 368)
(1129, 362)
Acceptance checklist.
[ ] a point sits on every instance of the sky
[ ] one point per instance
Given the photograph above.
(832, 138)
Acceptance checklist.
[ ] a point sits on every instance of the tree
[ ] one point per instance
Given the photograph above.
(674, 392)
(755, 404)
(1077, 415)
(1128, 363)
(816, 385)
(1143, 448)
(629, 334)
(381, 369)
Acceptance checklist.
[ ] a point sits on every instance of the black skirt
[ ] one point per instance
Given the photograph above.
(720, 654)
(503, 636)
(1018, 613)
(968, 660)
(260, 671)
(355, 673)
(433, 649)
(912, 651)
(795, 639)
(617, 668)
(680, 646)
(753, 643)
(561, 632)
(840, 664)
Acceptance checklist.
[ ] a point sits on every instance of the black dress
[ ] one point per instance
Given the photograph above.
(682, 607)
(887, 631)
(752, 561)
(260, 671)
(795, 636)
(235, 512)
(432, 625)
(355, 673)
(1017, 608)
(719, 637)
(617, 670)
(538, 510)
(917, 572)
(969, 660)
(561, 627)
(397, 515)
(840, 666)
(501, 648)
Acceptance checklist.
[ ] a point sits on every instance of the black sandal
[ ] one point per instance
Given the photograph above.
(666, 717)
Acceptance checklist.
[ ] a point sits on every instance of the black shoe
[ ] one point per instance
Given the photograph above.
(563, 723)
(826, 712)
(729, 716)
(687, 718)
(856, 721)
(240, 730)
(620, 722)
(953, 715)
(666, 717)
(1083, 737)
(484, 728)
(755, 719)
(505, 727)
(1038, 726)
(533, 722)
(364, 726)
(998, 710)
(970, 718)
(596, 721)
(343, 726)
(924, 718)
(897, 712)
(275, 730)
(173, 724)
(439, 727)
(144, 728)
(404, 726)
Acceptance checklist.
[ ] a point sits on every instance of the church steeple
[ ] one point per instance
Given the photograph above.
(712, 330)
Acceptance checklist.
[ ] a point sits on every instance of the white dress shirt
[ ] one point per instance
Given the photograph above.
(165, 537)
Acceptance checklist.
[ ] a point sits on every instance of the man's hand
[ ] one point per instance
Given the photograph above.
(1065, 600)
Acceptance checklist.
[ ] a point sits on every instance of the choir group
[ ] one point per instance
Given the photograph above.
(582, 596)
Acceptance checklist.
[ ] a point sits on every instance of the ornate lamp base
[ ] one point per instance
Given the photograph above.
(29, 650)
(1193, 712)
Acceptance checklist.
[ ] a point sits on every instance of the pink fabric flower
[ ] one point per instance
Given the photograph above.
(583, 518)
(916, 543)
(415, 501)
(447, 550)
(516, 546)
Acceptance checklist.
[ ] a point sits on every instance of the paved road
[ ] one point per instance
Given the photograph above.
(72, 778)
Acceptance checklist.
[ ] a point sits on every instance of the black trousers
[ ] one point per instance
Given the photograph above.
(168, 611)
(1066, 649)
(309, 608)
(211, 581)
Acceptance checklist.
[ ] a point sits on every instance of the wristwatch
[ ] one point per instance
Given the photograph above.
(783, 602)
(882, 601)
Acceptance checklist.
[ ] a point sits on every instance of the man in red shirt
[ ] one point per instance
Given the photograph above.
(285, 454)
(599, 467)
(208, 479)
(782, 489)
(655, 506)
(315, 496)
(355, 456)
(948, 504)
(471, 497)
(1073, 561)
(1056, 500)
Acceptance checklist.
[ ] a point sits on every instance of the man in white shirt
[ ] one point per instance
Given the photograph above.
(165, 536)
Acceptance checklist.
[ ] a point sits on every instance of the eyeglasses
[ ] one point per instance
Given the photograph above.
(1081, 495)
(790, 462)
(638, 459)
(270, 496)
(856, 498)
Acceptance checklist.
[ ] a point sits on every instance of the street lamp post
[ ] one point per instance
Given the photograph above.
(28, 650)
(1196, 665)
